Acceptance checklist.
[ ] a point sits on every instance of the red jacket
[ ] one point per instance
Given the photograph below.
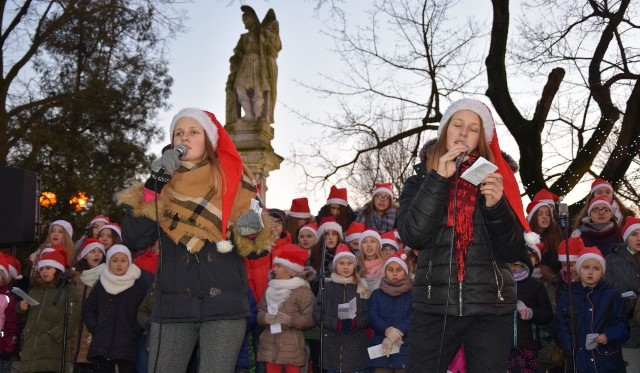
(9, 335)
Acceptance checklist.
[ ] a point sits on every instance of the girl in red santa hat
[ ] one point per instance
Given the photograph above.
(542, 219)
(600, 227)
(43, 332)
(60, 233)
(370, 258)
(467, 235)
(286, 311)
(299, 214)
(338, 207)
(603, 188)
(92, 229)
(109, 235)
(380, 213)
(202, 198)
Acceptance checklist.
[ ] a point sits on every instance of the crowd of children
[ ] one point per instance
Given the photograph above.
(334, 292)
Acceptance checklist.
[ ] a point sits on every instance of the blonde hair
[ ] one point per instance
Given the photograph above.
(440, 147)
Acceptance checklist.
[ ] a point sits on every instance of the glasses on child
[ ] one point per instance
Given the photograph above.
(384, 197)
(603, 210)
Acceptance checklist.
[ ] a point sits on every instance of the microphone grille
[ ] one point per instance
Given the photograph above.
(180, 149)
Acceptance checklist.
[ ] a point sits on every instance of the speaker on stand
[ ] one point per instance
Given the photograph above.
(19, 206)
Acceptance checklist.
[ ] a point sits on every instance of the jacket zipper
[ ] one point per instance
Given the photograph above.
(460, 298)
(428, 281)
(591, 312)
(344, 299)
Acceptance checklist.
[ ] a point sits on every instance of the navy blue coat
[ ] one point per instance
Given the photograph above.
(386, 311)
(598, 310)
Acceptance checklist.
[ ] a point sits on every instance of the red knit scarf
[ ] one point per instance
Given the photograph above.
(463, 230)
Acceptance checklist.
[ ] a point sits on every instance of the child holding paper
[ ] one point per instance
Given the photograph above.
(389, 315)
(600, 324)
(345, 345)
(286, 311)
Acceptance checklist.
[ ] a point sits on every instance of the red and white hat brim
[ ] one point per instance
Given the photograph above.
(537, 206)
(477, 107)
(288, 264)
(600, 186)
(370, 233)
(594, 256)
(627, 232)
(337, 201)
(201, 117)
(343, 254)
(352, 236)
(598, 202)
(394, 243)
(383, 190)
(397, 260)
(50, 263)
(93, 245)
(305, 228)
(330, 226)
(300, 215)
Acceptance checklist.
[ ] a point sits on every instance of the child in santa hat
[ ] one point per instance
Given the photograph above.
(299, 214)
(390, 313)
(371, 259)
(600, 325)
(9, 329)
(109, 235)
(344, 336)
(110, 312)
(542, 219)
(467, 234)
(600, 227)
(338, 207)
(43, 332)
(603, 188)
(623, 272)
(307, 236)
(329, 236)
(87, 273)
(286, 311)
(92, 229)
(380, 212)
(352, 236)
(60, 233)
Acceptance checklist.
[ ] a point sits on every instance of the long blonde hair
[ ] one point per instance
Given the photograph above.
(440, 147)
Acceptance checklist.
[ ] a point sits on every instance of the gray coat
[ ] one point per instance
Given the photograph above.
(623, 275)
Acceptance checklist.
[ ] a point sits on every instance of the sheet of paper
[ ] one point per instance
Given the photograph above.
(376, 351)
(273, 310)
(347, 310)
(478, 171)
(629, 294)
(591, 341)
(25, 296)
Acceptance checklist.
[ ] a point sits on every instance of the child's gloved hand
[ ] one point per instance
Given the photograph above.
(283, 318)
(270, 319)
(525, 312)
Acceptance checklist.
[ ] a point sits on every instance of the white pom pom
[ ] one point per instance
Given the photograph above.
(403, 256)
(531, 238)
(224, 246)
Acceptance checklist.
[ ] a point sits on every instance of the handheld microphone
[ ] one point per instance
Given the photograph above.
(159, 169)
(460, 158)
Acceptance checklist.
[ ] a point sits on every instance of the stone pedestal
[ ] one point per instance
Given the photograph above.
(253, 141)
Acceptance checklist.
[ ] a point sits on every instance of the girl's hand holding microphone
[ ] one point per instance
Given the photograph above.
(448, 162)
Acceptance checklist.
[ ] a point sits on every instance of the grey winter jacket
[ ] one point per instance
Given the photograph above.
(498, 239)
(623, 275)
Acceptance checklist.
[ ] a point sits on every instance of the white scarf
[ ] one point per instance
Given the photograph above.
(89, 277)
(117, 284)
(279, 290)
(363, 288)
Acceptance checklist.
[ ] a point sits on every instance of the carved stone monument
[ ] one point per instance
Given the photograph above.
(251, 94)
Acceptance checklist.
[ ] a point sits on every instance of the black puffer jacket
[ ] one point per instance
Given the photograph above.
(488, 288)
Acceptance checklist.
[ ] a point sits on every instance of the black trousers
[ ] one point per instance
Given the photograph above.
(487, 342)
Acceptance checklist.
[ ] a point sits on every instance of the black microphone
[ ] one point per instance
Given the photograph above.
(180, 148)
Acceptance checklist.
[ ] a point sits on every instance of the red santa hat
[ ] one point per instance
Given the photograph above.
(4, 268)
(89, 245)
(576, 245)
(15, 268)
(511, 189)
(148, 261)
(65, 225)
(600, 183)
(354, 231)
(383, 188)
(118, 249)
(311, 227)
(399, 258)
(343, 251)
(389, 238)
(54, 248)
(537, 249)
(630, 224)
(54, 258)
(370, 233)
(540, 199)
(591, 252)
(293, 258)
(337, 196)
(329, 223)
(227, 155)
(99, 218)
(300, 208)
(114, 227)
(598, 201)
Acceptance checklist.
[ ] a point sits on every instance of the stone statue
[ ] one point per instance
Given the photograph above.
(253, 76)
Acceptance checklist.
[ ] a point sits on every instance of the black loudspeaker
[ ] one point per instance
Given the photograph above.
(19, 206)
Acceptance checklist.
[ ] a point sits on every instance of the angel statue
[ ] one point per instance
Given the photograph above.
(251, 85)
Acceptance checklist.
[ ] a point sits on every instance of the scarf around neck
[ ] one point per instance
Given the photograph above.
(279, 290)
(396, 288)
(89, 277)
(362, 288)
(466, 204)
(117, 284)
